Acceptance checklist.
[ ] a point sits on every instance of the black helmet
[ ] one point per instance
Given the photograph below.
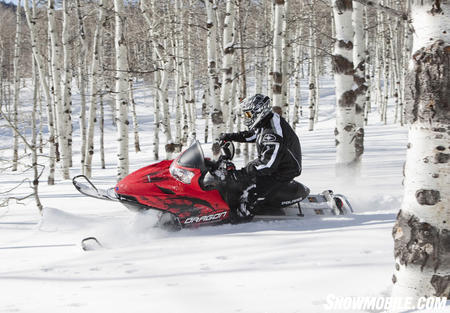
(255, 109)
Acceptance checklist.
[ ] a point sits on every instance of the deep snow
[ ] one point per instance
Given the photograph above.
(285, 266)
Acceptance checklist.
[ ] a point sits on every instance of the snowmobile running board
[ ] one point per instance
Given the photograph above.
(325, 203)
(87, 188)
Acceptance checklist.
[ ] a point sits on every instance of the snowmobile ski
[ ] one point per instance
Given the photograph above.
(87, 188)
(90, 244)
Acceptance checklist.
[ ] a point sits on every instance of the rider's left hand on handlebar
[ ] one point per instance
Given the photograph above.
(224, 137)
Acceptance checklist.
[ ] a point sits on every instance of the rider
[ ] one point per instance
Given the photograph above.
(279, 154)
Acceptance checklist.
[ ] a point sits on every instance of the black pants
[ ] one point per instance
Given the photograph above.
(263, 198)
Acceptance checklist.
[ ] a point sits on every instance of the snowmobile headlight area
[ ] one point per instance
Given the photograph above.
(180, 174)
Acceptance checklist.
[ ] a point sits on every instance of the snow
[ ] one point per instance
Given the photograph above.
(427, 27)
(285, 266)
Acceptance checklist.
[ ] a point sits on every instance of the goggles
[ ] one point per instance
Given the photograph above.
(248, 114)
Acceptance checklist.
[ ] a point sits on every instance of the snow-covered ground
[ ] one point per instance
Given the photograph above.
(285, 266)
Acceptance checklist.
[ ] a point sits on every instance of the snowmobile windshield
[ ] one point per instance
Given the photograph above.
(193, 157)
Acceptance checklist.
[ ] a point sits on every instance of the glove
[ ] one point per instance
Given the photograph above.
(224, 137)
(238, 176)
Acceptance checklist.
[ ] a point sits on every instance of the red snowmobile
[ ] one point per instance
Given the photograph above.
(189, 192)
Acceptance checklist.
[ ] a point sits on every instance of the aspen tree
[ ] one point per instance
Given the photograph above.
(95, 77)
(286, 52)
(16, 78)
(312, 69)
(56, 66)
(422, 232)
(31, 21)
(67, 78)
(121, 77)
(343, 77)
(227, 70)
(277, 74)
(359, 76)
(216, 112)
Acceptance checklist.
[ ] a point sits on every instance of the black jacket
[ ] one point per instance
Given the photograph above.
(279, 151)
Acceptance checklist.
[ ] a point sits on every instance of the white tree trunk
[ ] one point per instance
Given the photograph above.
(368, 73)
(191, 82)
(34, 148)
(343, 77)
(359, 64)
(312, 72)
(216, 111)
(227, 63)
(16, 78)
(422, 232)
(44, 84)
(67, 79)
(156, 78)
(102, 133)
(164, 103)
(156, 114)
(137, 146)
(277, 74)
(121, 90)
(95, 77)
(297, 83)
(56, 66)
(286, 52)
(82, 51)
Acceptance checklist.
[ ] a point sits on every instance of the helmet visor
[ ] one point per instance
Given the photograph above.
(248, 114)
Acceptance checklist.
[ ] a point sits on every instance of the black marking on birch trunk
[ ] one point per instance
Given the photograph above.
(228, 50)
(217, 117)
(342, 65)
(441, 285)
(347, 99)
(427, 94)
(428, 197)
(277, 77)
(359, 141)
(276, 89)
(279, 2)
(173, 147)
(348, 45)
(441, 157)
(436, 7)
(420, 244)
(349, 127)
(344, 5)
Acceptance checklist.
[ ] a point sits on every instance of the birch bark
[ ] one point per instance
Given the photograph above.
(31, 21)
(359, 64)
(343, 77)
(56, 66)
(216, 111)
(422, 233)
(95, 77)
(67, 79)
(16, 78)
(277, 74)
(121, 90)
(227, 68)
